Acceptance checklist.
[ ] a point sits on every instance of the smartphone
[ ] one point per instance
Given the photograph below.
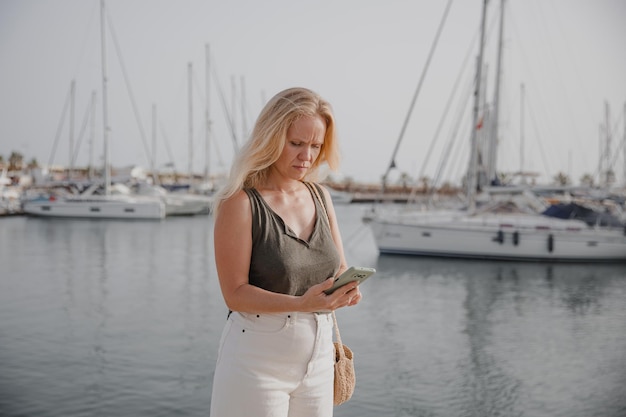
(354, 273)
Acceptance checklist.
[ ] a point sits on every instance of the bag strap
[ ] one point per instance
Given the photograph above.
(340, 349)
(341, 352)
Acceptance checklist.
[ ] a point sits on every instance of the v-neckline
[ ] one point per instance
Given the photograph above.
(286, 228)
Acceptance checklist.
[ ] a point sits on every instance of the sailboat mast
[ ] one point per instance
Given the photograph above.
(207, 116)
(473, 165)
(105, 120)
(190, 92)
(244, 126)
(607, 146)
(521, 135)
(153, 168)
(493, 138)
(92, 134)
(72, 110)
(233, 107)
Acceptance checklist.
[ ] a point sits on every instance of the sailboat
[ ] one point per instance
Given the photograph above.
(505, 227)
(97, 201)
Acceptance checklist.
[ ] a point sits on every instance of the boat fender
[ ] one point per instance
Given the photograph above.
(550, 243)
(499, 237)
(516, 238)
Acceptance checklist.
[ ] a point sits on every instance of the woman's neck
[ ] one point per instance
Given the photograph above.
(277, 184)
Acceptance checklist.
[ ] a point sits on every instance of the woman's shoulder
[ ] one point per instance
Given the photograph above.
(236, 202)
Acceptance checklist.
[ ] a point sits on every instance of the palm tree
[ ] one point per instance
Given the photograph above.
(561, 179)
(404, 180)
(587, 180)
(15, 161)
(33, 164)
(424, 184)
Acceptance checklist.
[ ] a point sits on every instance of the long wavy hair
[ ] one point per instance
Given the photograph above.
(265, 145)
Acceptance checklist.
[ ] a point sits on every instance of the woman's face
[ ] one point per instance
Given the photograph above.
(305, 138)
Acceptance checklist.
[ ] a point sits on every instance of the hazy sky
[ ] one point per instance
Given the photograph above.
(366, 57)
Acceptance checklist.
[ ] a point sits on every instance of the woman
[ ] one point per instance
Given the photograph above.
(277, 248)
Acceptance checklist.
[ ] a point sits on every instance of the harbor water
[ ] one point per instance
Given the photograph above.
(123, 318)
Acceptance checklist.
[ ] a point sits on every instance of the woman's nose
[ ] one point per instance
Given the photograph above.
(306, 153)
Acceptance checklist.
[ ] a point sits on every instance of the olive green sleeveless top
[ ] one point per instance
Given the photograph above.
(282, 262)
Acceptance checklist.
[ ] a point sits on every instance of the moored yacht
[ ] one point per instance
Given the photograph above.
(91, 203)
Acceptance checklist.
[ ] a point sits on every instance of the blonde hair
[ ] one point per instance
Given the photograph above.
(251, 166)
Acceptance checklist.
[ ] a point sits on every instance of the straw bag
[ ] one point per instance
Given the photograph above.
(345, 378)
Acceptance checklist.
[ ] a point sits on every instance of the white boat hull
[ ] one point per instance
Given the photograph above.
(514, 237)
(187, 205)
(97, 207)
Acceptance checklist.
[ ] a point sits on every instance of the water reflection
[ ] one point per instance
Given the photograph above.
(119, 311)
(489, 388)
(486, 338)
(124, 318)
(580, 287)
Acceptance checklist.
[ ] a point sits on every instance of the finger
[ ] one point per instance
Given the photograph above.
(328, 283)
(356, 298)
(351, 287)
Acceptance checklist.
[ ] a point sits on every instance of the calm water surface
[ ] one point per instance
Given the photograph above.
(118, 318)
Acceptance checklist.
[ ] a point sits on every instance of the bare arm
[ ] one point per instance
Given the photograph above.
(233, 249)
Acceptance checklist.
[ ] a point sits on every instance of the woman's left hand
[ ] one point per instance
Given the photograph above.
(355, 296)
(315, 298)
(347, 296)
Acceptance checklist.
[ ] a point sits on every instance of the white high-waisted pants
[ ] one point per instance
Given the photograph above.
(278, 365)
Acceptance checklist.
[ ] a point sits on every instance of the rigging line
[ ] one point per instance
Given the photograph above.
(541, 103)
(85, 38)
(215, 146)
(455, 153)
(213, 142)
(537, 136)
(462, 152)
(198, 90)
(616, 154)
(454, 134)
(220, 159)
(556, 16)
(129, 90)
(455, 87)
(443, 117)
(230, 123)
(615, 130)
(452, 137)
(59, 127)
(620, 146)
(227, 114)
(559, 79)
(201, 123)
(167, 145)
(392, 163)
(81, 133)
